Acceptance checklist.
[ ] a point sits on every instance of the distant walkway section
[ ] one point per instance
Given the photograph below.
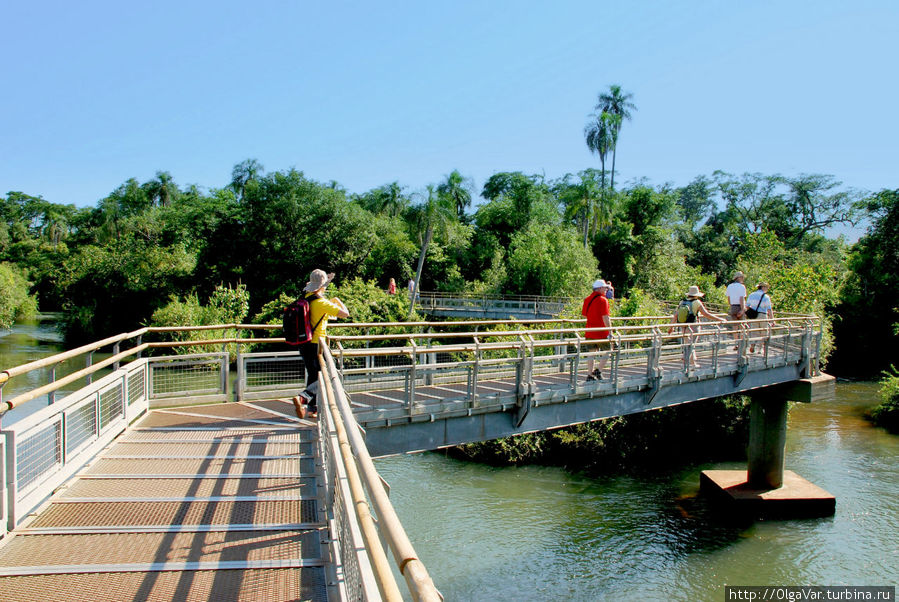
(501, 307)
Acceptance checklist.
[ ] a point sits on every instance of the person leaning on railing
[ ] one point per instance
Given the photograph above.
(685, 315)
(320, 309)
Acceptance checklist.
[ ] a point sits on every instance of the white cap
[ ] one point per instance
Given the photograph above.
(600, 284)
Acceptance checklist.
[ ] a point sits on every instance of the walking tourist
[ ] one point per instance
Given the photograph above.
(391, 288)
(758, 306)
(686, 315)
(736, 299)
(596, 310)
(320, 310)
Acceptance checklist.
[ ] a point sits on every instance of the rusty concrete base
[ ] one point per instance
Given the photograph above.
(797, 498)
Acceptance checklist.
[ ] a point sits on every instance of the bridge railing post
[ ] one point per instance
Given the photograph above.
(616, 358)
(412, 375)
(475, 369)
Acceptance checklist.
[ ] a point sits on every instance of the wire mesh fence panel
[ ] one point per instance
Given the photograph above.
(110, 405)
(274, 372)
(81, 424)
(136, 386)
(38, 454)
(352, 573)
(175, 378)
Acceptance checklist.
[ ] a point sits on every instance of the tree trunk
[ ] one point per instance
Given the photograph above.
(421, 265)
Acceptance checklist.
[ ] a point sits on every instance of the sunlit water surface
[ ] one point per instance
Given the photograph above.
(538, 533)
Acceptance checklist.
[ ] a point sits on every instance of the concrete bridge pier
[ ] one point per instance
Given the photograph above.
(765, 488)
(767, 442)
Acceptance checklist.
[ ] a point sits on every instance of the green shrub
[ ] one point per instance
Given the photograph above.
(15, 302)
(226, 305)
(886, 414)
(702, 431)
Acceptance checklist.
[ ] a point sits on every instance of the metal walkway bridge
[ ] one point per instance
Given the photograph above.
(124, 486)
(494, 307)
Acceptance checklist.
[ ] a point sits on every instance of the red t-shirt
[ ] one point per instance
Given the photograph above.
(595, 307)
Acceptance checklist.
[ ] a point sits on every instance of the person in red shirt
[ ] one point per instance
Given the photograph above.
(596, 310)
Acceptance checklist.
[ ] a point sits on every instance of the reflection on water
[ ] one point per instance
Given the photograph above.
(29, 341)
(528, 533)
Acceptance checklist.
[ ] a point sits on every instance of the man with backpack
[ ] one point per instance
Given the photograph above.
(686, 314)
(314, 320)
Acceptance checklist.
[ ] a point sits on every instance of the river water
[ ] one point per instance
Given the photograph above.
(543, 533)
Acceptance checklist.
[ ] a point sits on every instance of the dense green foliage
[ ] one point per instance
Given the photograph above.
(676, 435)
(886, 414)
(15, 301)
(149, 245)
(869, 303)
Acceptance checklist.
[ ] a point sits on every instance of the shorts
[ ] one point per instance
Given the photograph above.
(599, 344)
(734, 313)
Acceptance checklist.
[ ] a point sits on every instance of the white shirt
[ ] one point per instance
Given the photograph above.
(754, 298)
(735, 290)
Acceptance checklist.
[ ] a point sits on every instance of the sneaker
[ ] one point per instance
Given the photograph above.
(590, 378)
(597, 374)
(300, 402)
(312, 413)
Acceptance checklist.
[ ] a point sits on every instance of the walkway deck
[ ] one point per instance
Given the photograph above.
(214, 502)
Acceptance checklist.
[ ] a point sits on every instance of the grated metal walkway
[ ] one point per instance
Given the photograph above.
(215, 502)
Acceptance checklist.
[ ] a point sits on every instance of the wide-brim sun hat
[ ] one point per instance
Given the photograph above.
(695, 292)
(318, 279)
(598, 284)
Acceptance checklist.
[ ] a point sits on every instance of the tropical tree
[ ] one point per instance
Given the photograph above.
(386, 200)
(161, 190)
(582, 200)
(598, 136)
(619, 105)
(248, 170)
(458, 188)
(436, 212)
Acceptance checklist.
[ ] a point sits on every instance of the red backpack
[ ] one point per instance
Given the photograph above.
(297, 324)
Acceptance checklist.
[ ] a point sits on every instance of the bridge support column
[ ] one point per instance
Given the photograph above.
(765, 488)
(767, 440)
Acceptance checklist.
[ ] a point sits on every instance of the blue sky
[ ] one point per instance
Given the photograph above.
(369, 93)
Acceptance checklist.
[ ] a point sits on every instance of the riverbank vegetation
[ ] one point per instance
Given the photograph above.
(715, 429)
(886, 413)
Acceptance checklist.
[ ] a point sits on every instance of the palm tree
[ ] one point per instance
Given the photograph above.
(162, 190)
(618, 104)
(598, 135)
(437, 212)
(581, 200)
(244, 172)
(458, 188)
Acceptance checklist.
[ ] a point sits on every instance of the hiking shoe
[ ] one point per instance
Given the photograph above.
(597, 374)
(300, 402)
(590, 378)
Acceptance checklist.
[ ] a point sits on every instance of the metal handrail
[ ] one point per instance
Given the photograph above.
(421, 586)
(381, 567)
(631, 333)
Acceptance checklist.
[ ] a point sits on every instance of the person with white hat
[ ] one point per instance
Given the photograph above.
(687, 314)
(320, 310)
(596, 310)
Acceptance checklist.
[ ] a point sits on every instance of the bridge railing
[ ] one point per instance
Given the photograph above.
(365, 491)
(44, 449)
(519, 305)
(466, 366)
